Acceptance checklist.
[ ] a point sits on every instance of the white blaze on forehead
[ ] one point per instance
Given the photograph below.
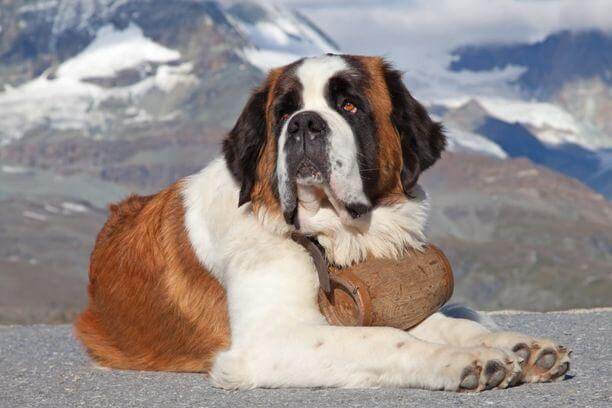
(345, 180)
(314, 74)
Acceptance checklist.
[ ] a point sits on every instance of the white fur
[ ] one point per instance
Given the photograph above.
(281, 169)
(384, 232)
(278, 335)
(314, 73)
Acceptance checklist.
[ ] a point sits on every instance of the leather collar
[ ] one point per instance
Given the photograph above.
(316, 251)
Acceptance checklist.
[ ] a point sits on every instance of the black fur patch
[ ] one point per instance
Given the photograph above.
(421, 138)
(245, 141)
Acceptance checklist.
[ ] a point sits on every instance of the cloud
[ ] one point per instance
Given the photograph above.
(389, 25)
(419, 34)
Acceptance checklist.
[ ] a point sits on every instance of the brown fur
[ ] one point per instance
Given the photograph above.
(263, 195)
(389, 149)
(152, 306)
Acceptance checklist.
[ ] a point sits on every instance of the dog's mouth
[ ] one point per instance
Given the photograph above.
(308, 174)
(312, 190)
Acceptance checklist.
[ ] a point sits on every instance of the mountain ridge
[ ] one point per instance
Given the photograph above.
(548, 63)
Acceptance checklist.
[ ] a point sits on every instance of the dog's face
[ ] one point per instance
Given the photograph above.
(337, 130)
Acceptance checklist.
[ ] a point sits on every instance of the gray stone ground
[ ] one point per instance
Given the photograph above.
(43, 366)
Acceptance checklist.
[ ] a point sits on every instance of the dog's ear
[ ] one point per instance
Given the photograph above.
(243, 145)
(421, 138)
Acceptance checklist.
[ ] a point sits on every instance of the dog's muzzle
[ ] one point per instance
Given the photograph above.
(306, 148)
(308, 170)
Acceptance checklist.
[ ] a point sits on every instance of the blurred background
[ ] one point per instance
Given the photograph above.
(100, 98)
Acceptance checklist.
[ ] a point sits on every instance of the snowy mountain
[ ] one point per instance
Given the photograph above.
(566, 82)
(560, 58)
(95, 66)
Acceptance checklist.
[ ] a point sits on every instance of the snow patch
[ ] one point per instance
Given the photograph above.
(268, 59)
(64, 103)
(554, 136)
(538, 114)
(166, 78)
(67, 102)
(14, 170)
(38, 6)
(51, 209)
(281, 38)
(113, 51)
(69, 207)
(460, 140)
(550, 123)
(34, 216)
(271, 33)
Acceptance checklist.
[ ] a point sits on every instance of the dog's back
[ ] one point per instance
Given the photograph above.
(151, 304)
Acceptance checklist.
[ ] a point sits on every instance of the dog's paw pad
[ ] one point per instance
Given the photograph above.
(547, 359)
(494, 374)
(470, 378)
(548, 362)
(491, 368)
(522, 350)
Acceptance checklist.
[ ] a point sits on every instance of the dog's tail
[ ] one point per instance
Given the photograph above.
(459, 311)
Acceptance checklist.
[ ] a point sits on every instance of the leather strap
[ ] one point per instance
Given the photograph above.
(315, 251)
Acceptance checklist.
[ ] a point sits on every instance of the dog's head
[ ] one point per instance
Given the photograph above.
(334, 130)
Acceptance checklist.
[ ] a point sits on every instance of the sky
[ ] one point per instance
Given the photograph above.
(418, 35)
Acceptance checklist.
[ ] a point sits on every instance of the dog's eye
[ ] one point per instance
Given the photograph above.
(349, 107)
(284, 117)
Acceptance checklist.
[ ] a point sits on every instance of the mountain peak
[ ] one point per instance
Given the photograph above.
(549, 63)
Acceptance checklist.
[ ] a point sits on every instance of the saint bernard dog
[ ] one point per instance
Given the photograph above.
(204, 277)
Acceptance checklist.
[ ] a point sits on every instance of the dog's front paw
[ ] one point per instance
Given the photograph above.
(483, 368)
(544, 360)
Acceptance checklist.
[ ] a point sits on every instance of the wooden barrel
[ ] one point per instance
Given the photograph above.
(394, 293)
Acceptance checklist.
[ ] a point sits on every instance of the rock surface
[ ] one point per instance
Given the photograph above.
(43, 366)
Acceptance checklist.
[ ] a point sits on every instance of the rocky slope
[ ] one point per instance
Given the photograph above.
(520, 236)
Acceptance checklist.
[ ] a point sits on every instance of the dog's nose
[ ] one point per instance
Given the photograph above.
(309, 125)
